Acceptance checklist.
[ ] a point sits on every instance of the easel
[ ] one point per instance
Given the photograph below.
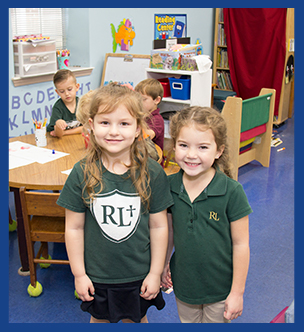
(124, 68)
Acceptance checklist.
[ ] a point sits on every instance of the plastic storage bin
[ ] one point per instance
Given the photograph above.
(34, 58)
(166, 85)
(180, 87)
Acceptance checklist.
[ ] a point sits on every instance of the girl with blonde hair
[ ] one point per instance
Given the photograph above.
(116, 200)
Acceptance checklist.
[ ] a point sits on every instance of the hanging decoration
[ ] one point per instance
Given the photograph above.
(124, 35)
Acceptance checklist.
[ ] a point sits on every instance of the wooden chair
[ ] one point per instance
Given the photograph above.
(44, 221)
(248, 120)
(160, 153)
(170, 167)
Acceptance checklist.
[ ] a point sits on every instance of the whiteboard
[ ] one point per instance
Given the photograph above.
(125, 68)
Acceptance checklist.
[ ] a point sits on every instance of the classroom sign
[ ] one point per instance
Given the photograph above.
(170, 26)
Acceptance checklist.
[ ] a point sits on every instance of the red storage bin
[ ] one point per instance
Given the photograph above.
(166, 85)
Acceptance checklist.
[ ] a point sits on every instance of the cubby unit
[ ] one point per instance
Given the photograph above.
(200, 90)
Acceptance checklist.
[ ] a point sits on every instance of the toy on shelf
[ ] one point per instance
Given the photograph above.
(29, 38)
(178, 57)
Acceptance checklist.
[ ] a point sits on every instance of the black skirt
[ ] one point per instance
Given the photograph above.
(114, 302)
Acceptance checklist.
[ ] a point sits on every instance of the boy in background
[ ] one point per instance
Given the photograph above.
(152, 92)
(63, 120)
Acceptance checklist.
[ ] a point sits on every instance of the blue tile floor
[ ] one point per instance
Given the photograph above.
(270, 283)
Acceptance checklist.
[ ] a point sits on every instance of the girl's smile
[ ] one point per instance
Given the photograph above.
(191, 164)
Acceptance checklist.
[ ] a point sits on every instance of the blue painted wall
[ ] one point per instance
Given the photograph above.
(89, 38)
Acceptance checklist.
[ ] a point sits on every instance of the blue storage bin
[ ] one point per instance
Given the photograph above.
(180, 87)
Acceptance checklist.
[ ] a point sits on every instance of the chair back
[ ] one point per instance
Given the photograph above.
(40, 203)
(255, 111)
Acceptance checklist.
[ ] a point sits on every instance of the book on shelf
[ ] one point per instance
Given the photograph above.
(222, 58)
(221, 36)
(224, 80)
(221, 15)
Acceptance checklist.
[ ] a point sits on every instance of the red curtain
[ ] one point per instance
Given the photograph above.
(256, 49)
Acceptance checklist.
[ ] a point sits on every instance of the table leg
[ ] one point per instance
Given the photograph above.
(24, 270)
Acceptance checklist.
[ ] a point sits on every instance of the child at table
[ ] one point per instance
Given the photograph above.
(208, 223)
(152, 92)
(116, 202)
(63, 119)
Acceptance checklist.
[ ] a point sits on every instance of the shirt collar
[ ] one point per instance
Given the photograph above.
(217, 186)
(155, 112)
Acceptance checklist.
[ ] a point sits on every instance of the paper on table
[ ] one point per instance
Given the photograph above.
(15, 162)
(31, 153)
(67, 172)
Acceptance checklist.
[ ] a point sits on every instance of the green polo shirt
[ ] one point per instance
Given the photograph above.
(116, 231)
(201, 266)
(60, 111)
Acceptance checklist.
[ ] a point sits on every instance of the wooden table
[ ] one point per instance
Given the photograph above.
(46, 176)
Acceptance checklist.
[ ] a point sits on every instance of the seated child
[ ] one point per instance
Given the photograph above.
(63, 120)
(152, 92)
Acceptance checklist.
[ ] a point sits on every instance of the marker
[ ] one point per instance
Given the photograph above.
(281, 149)
(53, 151)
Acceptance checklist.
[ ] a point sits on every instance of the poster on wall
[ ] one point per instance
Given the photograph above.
(123, 36)
(170, 26)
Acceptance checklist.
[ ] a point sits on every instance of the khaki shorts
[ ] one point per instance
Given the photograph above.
(201, 313)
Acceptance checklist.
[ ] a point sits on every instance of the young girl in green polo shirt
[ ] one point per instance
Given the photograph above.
(208, 223)
(116, 202)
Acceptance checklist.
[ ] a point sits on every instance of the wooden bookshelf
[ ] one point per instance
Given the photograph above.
(221, 72)
(285, 110)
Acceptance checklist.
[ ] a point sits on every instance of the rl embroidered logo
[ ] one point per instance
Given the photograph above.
(213, 215)
(117, 214)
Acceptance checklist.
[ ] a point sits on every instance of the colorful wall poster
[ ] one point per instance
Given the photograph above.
(124, 35)
(170, 26)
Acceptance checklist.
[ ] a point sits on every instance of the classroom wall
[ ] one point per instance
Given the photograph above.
(89, 38)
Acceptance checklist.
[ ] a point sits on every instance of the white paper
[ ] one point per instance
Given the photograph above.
(15, 162)
(67, 172)
(31, 153)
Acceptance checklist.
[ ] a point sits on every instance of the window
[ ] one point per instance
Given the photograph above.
(49, 22)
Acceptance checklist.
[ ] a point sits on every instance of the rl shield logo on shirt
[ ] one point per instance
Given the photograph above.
(117, 214)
